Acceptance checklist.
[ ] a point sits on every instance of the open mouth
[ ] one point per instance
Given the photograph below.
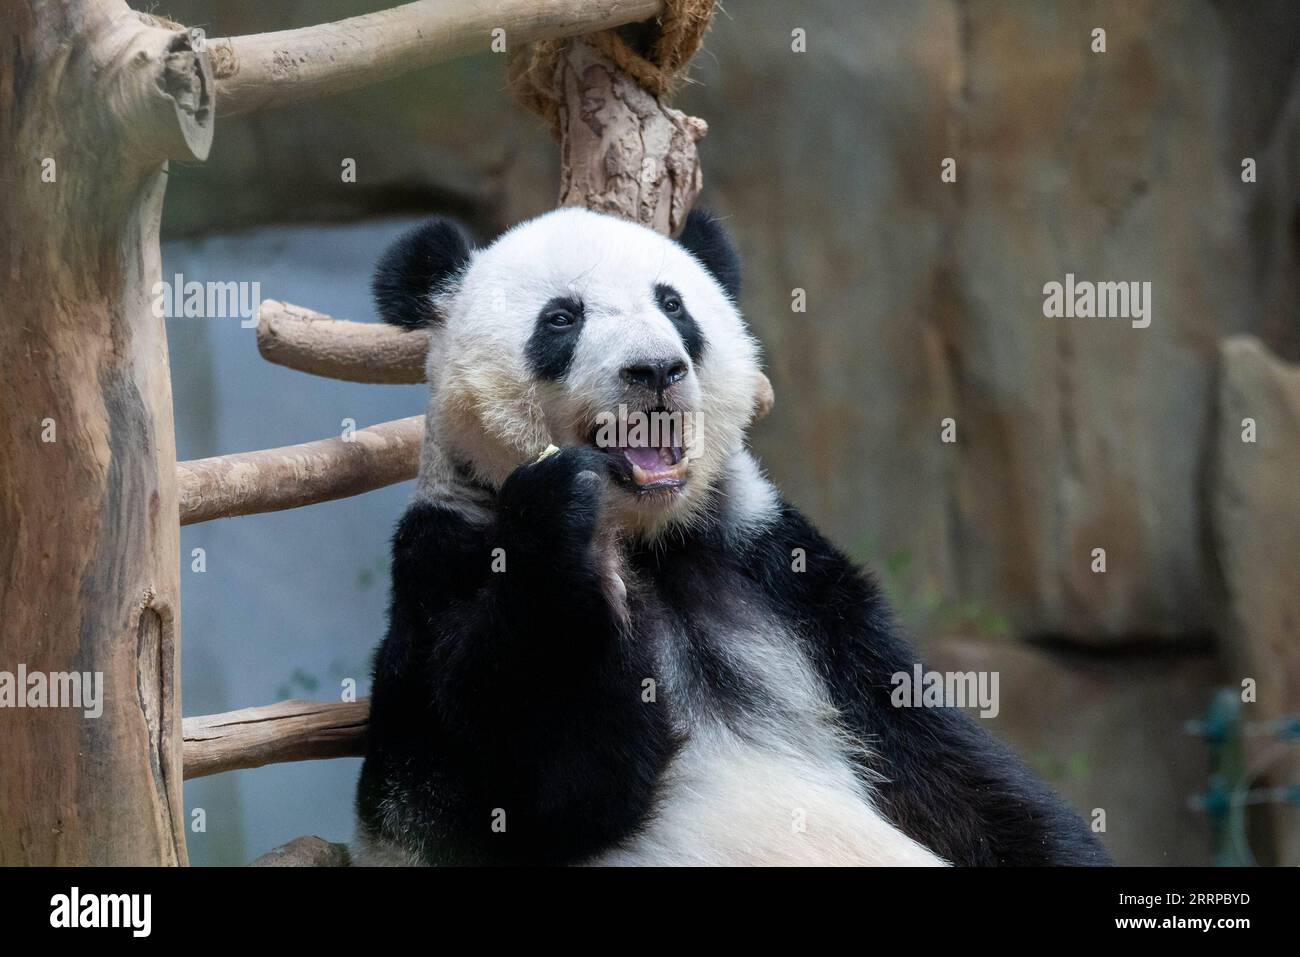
(655, 468)
(647, 462)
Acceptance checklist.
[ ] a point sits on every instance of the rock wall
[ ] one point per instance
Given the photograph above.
(1255, 489)
(925, 298)
(1106, 731)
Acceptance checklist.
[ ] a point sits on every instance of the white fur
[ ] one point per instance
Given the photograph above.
(725, 801)
(485, 407)
(751, 502)
(782, 789)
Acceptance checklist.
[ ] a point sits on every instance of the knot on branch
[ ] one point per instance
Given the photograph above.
(654, 53)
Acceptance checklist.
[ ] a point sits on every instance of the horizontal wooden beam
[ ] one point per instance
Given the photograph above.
(247, 483)
(266, 70)
(309, 341)
(274, 734)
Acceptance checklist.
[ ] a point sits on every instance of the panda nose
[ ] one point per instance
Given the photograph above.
(655, 376)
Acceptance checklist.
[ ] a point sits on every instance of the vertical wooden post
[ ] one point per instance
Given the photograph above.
(623, 150)
(94, 98)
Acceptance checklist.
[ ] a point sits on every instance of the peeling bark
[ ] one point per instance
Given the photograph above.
(623, 151)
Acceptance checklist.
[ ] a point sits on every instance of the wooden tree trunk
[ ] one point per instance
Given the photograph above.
(94, 99)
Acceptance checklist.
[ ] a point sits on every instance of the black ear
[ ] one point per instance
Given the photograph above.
(417, 263)
(704, 237)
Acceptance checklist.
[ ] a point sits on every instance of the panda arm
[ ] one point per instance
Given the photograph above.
(527, 683)
(502, 592)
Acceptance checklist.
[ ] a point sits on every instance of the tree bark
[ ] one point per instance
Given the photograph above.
(622, 150)
(94, 98)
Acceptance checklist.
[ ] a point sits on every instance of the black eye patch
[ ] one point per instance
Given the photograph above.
(555, 337)
(671, 305)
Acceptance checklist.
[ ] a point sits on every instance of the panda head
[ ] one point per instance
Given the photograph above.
(578, 328)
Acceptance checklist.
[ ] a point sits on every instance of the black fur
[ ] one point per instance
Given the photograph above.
(550, 348)
(705, 238)
(417, 263)
(514, 690)
(686, 325)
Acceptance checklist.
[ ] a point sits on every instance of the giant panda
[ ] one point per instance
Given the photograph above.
(607, 649)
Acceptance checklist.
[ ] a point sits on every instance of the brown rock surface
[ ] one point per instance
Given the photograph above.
(1107, 732)
(1255, 489)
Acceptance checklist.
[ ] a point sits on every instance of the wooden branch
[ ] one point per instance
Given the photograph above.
(306, 852)
(274, 69)
(165, 93)
(622, 150)
(274, 734)
(275, 479)
(308, 341)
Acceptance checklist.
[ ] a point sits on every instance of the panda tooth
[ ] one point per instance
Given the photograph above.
(639, 474)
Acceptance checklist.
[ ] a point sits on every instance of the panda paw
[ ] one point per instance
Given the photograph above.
(557, 498)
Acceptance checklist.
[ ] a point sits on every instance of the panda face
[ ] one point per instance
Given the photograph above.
(578, 328)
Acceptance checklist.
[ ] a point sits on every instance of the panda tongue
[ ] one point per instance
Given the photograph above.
(645, 457)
